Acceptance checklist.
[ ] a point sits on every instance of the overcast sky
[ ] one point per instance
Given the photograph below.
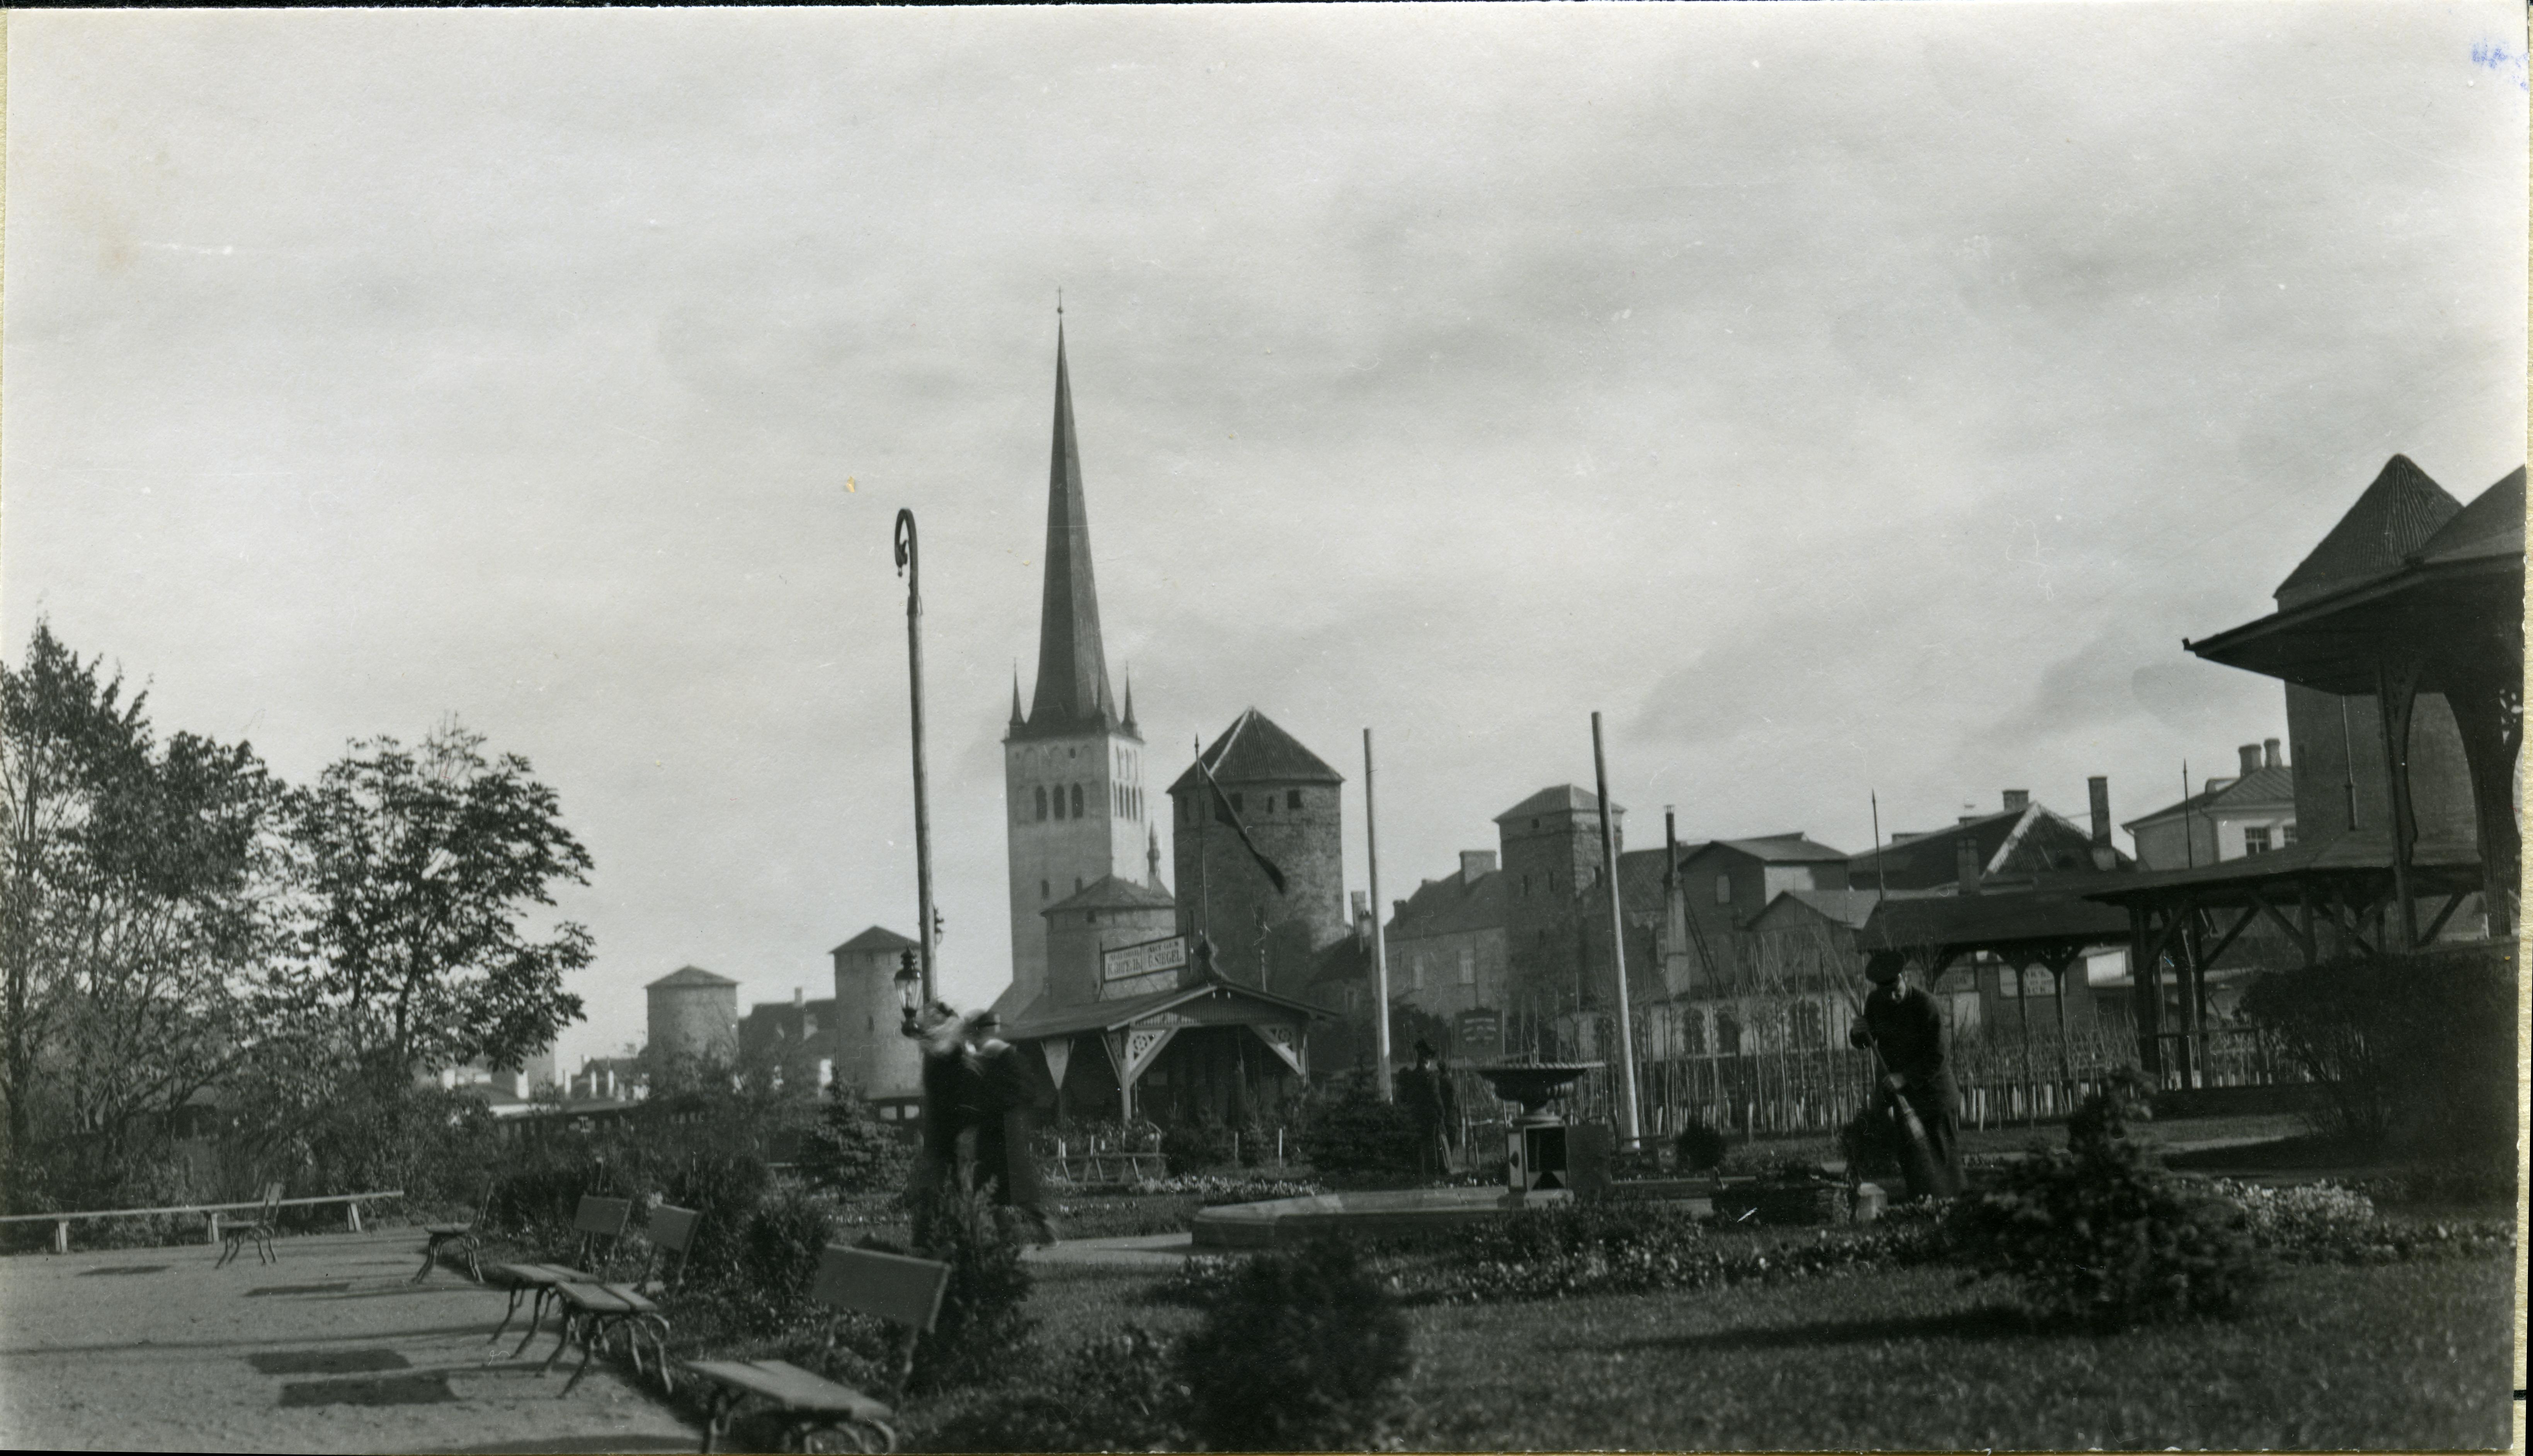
(1837, 397)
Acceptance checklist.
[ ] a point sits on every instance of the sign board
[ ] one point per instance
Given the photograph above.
(1478, 1034)
(1151, 957)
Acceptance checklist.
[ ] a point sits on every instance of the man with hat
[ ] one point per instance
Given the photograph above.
(1901, 1023)
(1426, 1089)
(1010, 1098)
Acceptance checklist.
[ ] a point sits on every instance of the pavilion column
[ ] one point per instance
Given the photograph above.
(2146, 991)
(2491, 735)
(2396, 692)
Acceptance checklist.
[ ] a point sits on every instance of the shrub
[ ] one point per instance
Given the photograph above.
(2099, 1231)
(983, 1317)
(1304, 1351)
(1115, 1392)
(2415, 1050)
(1698, 1148)
(1197, 1144)
(850, 1151)
(1356, 1134)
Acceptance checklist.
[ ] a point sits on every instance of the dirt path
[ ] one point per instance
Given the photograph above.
(332, 1348)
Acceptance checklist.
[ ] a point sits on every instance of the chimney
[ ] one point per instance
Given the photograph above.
(2097, 789)
(2251, 753)
(1965, 865)
(2270, 753)
(2017, 800)
(1475, 863)
(1359, 904)
(795, 996)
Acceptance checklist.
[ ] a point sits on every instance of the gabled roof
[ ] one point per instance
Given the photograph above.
(874, 939)
(1109, 893)
(2491, 526)
(1848, 907)
(1254, 750)
(1782, 849)
(2267, 785)
(2010, 844)
(1451, 904)
(1072, 665)
(689, 975)
(1561, 798)
(1220, 1004)
(2392, 518)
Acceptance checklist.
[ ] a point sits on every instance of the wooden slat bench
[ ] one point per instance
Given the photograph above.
(904, 1291)
(596, 1309)
(257, 1228)
(463, 1235)
(600, 1222)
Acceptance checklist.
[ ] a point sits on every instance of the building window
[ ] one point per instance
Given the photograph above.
(1416, 972)
(1723, 889)
(1692, 1031)
(1077, 800)
(2286, 833)
(1468, 967)
(1041, 801)
(2256, 839)
(1292, 798)
(1728, 1035)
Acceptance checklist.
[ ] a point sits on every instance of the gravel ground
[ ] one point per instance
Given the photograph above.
(330, 1349)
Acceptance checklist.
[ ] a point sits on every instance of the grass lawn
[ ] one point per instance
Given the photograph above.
(2410, 1357)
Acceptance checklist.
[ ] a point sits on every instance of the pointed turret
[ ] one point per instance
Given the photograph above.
(1018, 720)
(1072, 667)
(1129, 723)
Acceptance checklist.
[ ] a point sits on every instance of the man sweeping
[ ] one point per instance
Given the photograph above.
(1901, 1023)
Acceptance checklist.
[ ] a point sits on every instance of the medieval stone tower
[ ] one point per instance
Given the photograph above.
(1288, 801)
(1073, 765)
(1551, 844)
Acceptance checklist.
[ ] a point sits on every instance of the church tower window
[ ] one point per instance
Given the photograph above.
(1292, 798)
(1077, 800)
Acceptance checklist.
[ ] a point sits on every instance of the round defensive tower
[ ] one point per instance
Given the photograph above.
(694, 1012)
(871, 1057)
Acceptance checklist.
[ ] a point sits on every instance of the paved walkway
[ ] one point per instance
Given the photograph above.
(332, 1349)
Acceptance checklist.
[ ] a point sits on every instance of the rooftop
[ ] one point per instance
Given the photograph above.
(688, 975)
(874, 939)
(1563, 798)
(1255, 750)
(1111, 892)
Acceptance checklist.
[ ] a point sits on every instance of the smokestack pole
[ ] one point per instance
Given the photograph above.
(1632, 1134)
(1380, 946)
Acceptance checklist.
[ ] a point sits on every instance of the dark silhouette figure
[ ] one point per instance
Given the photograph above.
(1425, 1089)
(1904, 1028)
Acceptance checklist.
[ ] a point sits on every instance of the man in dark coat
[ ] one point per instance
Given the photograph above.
(953, 1095)
(1426, 1090)
(1904, 1028)
(1010, 1097)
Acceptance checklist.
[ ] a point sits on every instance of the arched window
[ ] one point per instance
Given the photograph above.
(1041, 801)
(1077, 800)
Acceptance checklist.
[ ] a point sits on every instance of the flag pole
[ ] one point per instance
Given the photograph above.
(1633, 1135)
(1380, 946)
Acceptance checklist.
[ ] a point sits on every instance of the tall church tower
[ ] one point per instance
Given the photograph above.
(1073, 765)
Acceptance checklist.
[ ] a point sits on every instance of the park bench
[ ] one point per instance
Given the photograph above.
(901, 1290)
(62, 1222)
(259, 1229)
(439, 1235)
(596, 1309)
(1107, 1169)
(600, 1223)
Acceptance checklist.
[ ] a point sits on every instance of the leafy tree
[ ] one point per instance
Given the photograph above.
(423, 867)
(136, 889)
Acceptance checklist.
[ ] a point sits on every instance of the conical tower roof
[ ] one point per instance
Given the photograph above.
(2392, 518)
(1255, 750)
(1072, 665)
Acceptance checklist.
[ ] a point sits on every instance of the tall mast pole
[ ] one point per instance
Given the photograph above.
(911, 569)
(1380, 946)
(1632, 1134)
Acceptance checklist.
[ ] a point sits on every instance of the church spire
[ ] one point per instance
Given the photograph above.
(1129, 723)
(1072, 668)
(1017, 720)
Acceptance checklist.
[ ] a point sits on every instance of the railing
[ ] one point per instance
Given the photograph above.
(62, 1222)
(1106, 1169)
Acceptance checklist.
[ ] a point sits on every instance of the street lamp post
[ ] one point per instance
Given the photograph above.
(911, 570)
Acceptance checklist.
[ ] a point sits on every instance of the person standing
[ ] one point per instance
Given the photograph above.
(1903, 1025)
(1426, 1090)
(1009, 1101)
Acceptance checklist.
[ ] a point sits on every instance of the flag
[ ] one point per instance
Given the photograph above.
(1223, 814)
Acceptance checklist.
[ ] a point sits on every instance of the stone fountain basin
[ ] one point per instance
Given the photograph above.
(1380, 1211)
